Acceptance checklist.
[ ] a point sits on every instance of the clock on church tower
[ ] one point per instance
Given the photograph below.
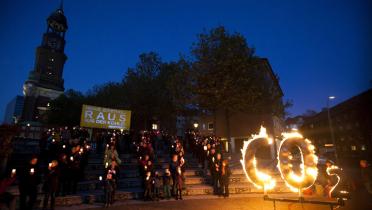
(45, 82)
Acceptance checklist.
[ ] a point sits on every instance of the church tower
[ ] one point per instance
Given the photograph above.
(45, 81)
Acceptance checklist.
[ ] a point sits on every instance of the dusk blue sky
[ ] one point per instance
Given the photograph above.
(317, 47)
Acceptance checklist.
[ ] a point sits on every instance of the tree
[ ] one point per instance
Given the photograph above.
(66, 109)
(155, 90)
(228, 76)
(110, 94)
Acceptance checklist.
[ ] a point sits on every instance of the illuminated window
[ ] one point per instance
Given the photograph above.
(363, 147)
(210, 126)
(353, 147)
(154, 126)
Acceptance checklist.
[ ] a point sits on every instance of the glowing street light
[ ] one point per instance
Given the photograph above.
(330, 125)
(196, 125)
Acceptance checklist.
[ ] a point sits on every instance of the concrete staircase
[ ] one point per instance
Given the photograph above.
(197, 180)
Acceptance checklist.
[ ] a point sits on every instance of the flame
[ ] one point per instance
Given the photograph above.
(331, 172)
(257, 178)
(309, 172)
(295, 182)
(293, 134)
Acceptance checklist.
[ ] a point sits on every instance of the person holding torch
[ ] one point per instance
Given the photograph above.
(29, 179)
(6, 197)
(51, 183)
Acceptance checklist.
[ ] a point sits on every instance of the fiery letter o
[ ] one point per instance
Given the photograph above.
(308, 165)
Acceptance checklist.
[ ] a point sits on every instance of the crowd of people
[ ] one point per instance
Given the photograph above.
(58, 167)
(158, 183)
(64, 154)
(164, 182)
(209, 151)
(63, 157)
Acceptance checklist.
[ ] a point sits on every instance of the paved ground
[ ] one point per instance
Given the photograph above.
(239, 202)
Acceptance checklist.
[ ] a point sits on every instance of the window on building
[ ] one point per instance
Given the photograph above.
(154, 126)
(210, 126)
(363, 147)
(353, 148)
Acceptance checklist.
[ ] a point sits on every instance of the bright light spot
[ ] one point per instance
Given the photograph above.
(311, 147)
(312, 172)
(154, 126)
(295, 177)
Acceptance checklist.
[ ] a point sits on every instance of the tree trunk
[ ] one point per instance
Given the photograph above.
(3, 163)
(227, 120)
(214, 122)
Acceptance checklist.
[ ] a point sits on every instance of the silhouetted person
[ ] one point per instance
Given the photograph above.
(65, 176)
(179, 183)
(29, 180)
(148, 182)
(157, 186)
(166, 184)
(109, 186)
(51, 183)
(225, 178)
(6, 197)
(173, 170)
(366, 174)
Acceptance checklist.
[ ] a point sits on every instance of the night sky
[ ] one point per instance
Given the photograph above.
(318, 48)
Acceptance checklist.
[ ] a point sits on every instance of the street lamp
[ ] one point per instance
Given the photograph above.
(196, 125)
(330, 125)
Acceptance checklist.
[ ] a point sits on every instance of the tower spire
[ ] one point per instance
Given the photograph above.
(61, 5)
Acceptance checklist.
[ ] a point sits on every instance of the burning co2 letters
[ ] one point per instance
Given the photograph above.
(303, 178)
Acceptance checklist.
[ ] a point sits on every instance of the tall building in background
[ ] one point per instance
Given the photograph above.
(13, 110)
(244, 124)
(45, 81)
(351, 121)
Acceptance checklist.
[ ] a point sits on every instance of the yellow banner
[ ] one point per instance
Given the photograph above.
(100, 117)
